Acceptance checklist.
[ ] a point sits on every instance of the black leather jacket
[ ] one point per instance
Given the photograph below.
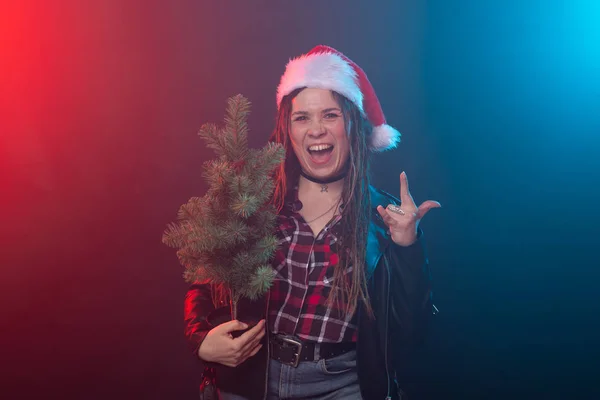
(399, 286)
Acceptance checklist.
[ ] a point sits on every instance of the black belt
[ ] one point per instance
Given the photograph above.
(290, 350)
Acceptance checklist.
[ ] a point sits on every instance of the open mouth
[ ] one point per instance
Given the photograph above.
(320, 153)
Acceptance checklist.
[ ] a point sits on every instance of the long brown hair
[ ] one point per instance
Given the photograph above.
(356, 212)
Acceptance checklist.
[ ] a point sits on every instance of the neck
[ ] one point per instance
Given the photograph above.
(311, 188)
(324, 181)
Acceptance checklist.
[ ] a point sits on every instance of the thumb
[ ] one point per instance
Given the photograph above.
(232, 326)
(426, 206)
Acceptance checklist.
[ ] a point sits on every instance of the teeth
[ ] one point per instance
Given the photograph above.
(319, 147)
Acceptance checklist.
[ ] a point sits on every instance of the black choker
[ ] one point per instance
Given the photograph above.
(325, 181)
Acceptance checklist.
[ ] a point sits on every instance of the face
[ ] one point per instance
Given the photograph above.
(318, 133)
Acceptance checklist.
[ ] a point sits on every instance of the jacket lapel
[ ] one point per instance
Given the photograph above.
(377, 239)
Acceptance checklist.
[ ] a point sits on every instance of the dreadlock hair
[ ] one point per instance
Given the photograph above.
(356, 213)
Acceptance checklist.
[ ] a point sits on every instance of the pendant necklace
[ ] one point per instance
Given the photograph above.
(330, 208)
(324, 186)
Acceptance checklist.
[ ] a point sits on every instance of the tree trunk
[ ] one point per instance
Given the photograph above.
(233, 302)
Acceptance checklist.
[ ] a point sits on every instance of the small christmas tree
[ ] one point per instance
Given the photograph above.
(227, 236)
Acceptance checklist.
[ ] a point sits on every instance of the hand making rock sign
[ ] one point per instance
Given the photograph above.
(403, 221)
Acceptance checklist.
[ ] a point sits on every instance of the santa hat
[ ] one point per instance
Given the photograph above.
(326, 68)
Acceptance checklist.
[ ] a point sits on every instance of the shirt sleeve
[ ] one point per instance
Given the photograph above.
(197, 306)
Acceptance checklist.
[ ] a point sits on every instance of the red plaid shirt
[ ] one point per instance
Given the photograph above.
(305, 265)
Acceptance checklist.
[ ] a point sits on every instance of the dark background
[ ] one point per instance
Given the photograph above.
(100, 102)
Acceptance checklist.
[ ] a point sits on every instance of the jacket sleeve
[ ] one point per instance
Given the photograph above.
(411, 304)
(197, 306)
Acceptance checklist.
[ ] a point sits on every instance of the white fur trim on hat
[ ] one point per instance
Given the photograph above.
(384, 137)
(322, 71)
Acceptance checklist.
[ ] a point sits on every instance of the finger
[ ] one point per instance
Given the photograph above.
(251, 350)
(426, 206)
(405, 196)
(253, 342)
(259, 337)
(231, 326)
(252, 333)
(247, 355)
(256, 350)
(258, 329)
(387, 218)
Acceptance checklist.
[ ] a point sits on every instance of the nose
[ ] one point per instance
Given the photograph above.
(316, 130)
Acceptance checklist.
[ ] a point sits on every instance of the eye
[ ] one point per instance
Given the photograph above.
(300, 118)
(331, 116)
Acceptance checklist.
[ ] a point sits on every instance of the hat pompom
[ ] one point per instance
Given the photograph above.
(384, 137)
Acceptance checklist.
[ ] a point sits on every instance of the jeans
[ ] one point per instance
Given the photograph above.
(330, 379)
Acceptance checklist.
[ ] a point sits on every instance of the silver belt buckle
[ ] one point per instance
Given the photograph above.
(298, 345)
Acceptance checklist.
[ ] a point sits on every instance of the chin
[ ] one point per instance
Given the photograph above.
(321, 173)
(324, 171)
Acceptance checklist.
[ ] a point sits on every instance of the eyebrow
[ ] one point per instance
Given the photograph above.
(322, 112)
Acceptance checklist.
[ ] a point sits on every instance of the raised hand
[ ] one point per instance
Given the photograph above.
(221, 347)
(403, 221)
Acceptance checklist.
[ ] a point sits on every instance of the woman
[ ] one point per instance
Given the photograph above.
(352, 289)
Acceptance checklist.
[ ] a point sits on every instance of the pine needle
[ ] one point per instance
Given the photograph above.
(226, 236)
